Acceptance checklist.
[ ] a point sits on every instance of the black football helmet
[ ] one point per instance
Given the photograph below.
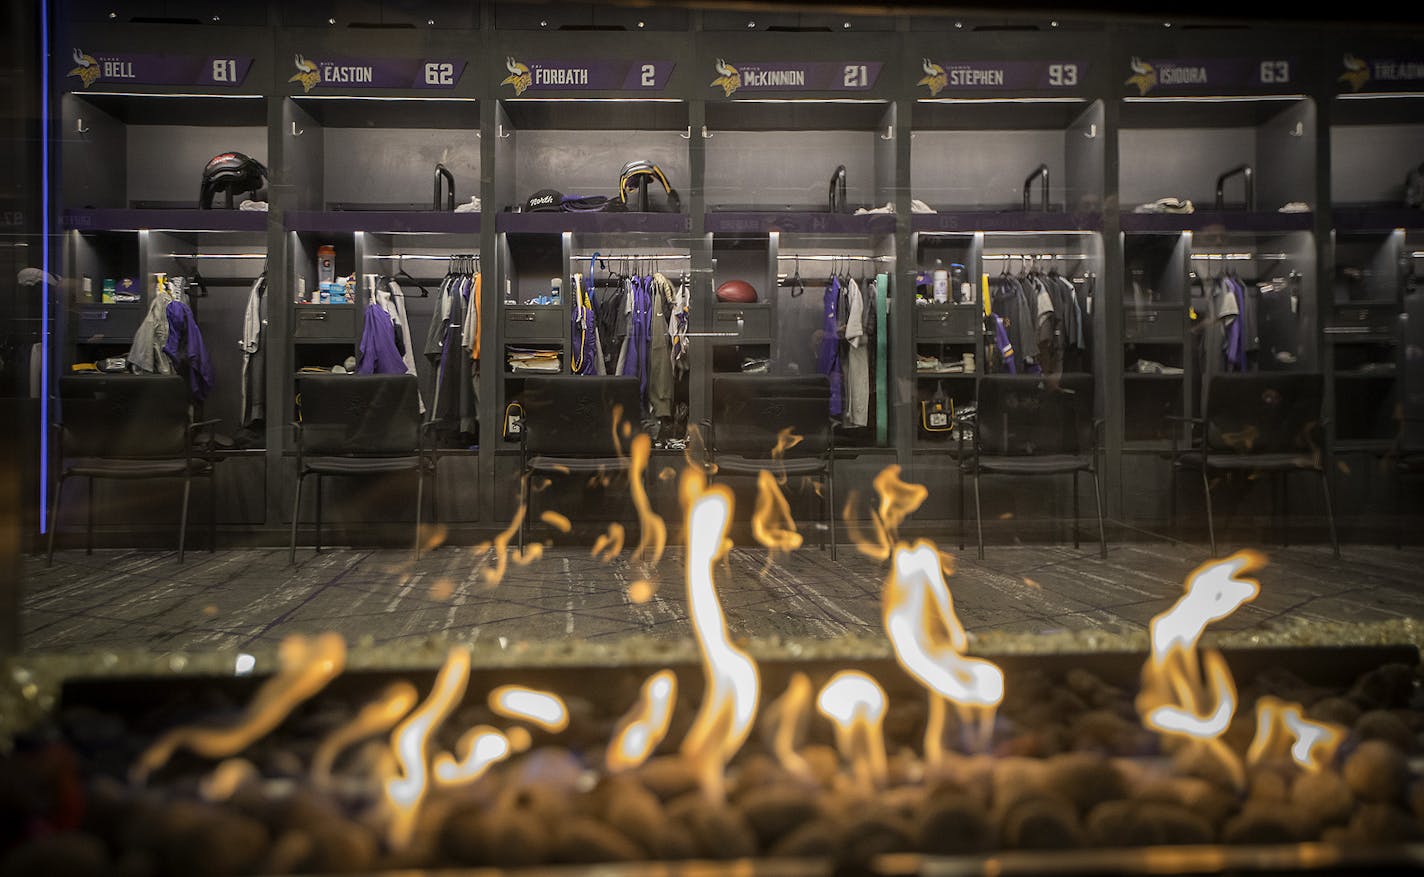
(230, 173)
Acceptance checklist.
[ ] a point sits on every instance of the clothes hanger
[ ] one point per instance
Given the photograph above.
(798, 288)
(401, 272)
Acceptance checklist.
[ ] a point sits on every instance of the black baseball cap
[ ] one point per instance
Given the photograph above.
(544, 200)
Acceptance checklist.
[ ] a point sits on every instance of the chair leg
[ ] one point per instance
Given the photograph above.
(1329, 511)
(54, 518)
(960, 466)
(523, 508)
(1210, 525)
(1075, 509)
(89, 521)
(213, 511)
(317, 546)
(1285, 509)
(1102, 531)
(1398, 510)
(296, 514)
(183, 516)
(831, 502)
(978, 514)
(419, 502)
(435, 492)
(1172, 472)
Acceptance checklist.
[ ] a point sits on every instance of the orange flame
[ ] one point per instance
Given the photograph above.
(1175, 699)
(306, 666)
(542, 708)
(376, 717)
(641, 591)
(557, 521)
(786, 439)
(609, 545)
(494, 574)
(855, 704)
(482, 746)
(898, 500)
(411, 740)
(652, 531)
(786, 718)
(729, 706)
(644, 726)
(929, 642)
(1313, 744)
(226, 779)
(772, 525)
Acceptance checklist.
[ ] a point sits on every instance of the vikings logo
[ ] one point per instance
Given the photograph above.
(730, 80)
(518, 77)
(935, 77)
(306, 74)
(1143, 76)
(87, 68)
(1357, 72)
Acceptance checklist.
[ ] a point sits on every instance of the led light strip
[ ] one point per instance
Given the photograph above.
(1001, 100)
(1214, 99)
(44, 256)
(172, 94)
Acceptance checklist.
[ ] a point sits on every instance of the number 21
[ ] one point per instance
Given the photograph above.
(856, 76)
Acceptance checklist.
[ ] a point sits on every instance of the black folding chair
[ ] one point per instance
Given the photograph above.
(359, 425)
(748, 414)
(1259, 422)
(130, 428)
(569, 426)
(1029, 425)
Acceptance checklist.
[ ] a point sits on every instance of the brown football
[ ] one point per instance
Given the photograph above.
(738, 291)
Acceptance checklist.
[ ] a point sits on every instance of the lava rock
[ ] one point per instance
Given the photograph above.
(952, 824)
(502, 837)
(1145, 823)
(634, 812)
(756, 771)
(1390, 685)
(673, 842)
(218, 844)
(1014, 778)
(1376, 772)
(668, 777)
(66, 854)
(1386, 726)
(719, 831)
(825, 763)
(775, 811)
(1339, 710)
(1042, 823)
(551, 769)
(1324, 797)
(588, 841)
(871, 835)
(1383, 824)
(814, 840)
(1416, 799)
(1093, 690)
(1265, 825)
(1084, 779)
(1266, 784)
(1104, 731)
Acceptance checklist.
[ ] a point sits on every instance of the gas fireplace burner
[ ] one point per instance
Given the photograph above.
(1067, 783)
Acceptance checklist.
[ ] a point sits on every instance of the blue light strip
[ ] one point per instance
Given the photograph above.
(44, 250)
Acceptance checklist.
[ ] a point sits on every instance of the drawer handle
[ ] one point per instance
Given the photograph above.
(522, 318)
(317, 316)
(94, 315)
(725, 317)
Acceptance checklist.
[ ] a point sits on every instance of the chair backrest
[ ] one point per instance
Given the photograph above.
(1035, 415)
(749, 411)
(124, 416)
(1264, 412)
(576, 415)
(359, 415)
(1411, 374)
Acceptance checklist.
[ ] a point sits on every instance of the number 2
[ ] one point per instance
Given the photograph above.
(650, 76)
(856, 76)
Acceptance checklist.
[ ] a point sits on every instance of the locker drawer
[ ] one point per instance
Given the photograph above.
(111, 322)
(535, 321)
(325, 321)
(1152, 324)
(954, 322)
(751, 322)
(1368, 319)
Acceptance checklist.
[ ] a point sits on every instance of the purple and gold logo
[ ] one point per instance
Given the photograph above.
(86, 68)
(729, 78)
(519, 76)
(1144, 76)
(1357, 72)
(935, 79)
(307, 73)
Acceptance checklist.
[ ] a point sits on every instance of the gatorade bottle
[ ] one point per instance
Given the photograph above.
(325, 264)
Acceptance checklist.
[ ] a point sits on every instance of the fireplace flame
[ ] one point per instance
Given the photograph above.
(644, 726)
(898, 500)
(787, 717)
(772, 524)
(610, 544)
(786, 439)
(1312, 744)
(541, 708)
(494, 574)
(411, 740)
(482, 746)
(306, 666)
(1189, 696)
(929, 642)
(652, 530)
(376, 717)
(226, 779)
(729, 705)
(855, 704)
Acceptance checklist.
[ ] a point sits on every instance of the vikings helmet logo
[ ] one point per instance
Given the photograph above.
(1143, 76)
(730, 80)
(87, 68)
(518, 77)
(1357, 72)
(306, 74)
(935, 77)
